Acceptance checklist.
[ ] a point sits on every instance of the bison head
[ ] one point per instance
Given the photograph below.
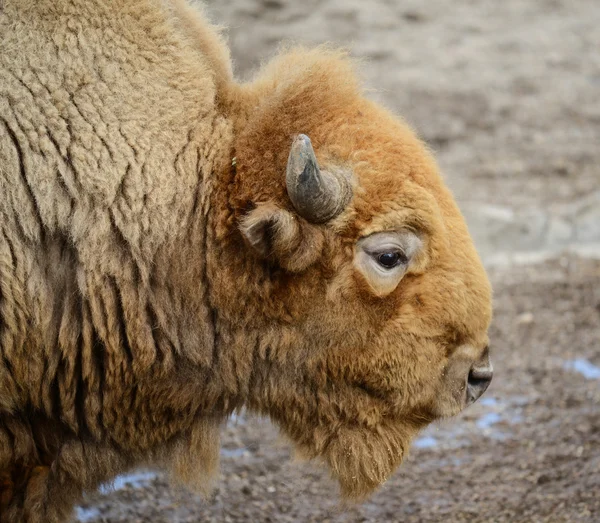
(346, 285)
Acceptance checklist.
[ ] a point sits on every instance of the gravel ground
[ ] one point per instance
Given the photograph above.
(507, 93)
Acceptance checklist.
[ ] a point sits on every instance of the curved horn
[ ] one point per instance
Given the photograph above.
(317, 196)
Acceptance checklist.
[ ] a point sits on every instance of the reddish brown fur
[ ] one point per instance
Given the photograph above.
(148, 287)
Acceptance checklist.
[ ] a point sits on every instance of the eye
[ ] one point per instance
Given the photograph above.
(385, 257)
(391, 259)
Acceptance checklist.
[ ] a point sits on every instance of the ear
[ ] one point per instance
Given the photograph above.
(281, 236)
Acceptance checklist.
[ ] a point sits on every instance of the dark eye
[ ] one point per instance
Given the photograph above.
(389, 260)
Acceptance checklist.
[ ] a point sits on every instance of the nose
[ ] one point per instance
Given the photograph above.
(479, 379)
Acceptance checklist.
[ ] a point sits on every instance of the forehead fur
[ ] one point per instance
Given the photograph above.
(317, 92)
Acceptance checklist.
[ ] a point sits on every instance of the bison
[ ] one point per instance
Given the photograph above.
(176, 245)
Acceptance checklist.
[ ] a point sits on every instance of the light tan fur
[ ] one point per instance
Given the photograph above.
(150, 284)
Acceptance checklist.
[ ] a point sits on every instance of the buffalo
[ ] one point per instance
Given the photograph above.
(176, 245)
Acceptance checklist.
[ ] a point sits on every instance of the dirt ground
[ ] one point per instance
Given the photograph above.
(508, 95)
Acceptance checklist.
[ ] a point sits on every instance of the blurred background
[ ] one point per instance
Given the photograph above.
(508, 96)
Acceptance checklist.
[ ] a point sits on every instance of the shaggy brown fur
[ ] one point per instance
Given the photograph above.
(148, 287)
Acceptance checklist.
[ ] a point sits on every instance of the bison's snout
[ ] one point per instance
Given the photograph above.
(479, 378)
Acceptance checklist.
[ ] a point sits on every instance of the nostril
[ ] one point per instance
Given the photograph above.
(478, 381)
(478, 377)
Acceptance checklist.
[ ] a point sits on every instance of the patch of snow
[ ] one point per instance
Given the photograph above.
(425, 442)
(137, 479)
(85, 514)
(584, 367)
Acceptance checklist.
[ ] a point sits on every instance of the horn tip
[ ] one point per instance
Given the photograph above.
(302, 138)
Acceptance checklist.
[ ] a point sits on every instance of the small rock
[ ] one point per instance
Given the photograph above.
(525, 319)
(413, 16)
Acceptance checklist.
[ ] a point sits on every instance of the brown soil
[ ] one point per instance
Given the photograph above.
(508, 95)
